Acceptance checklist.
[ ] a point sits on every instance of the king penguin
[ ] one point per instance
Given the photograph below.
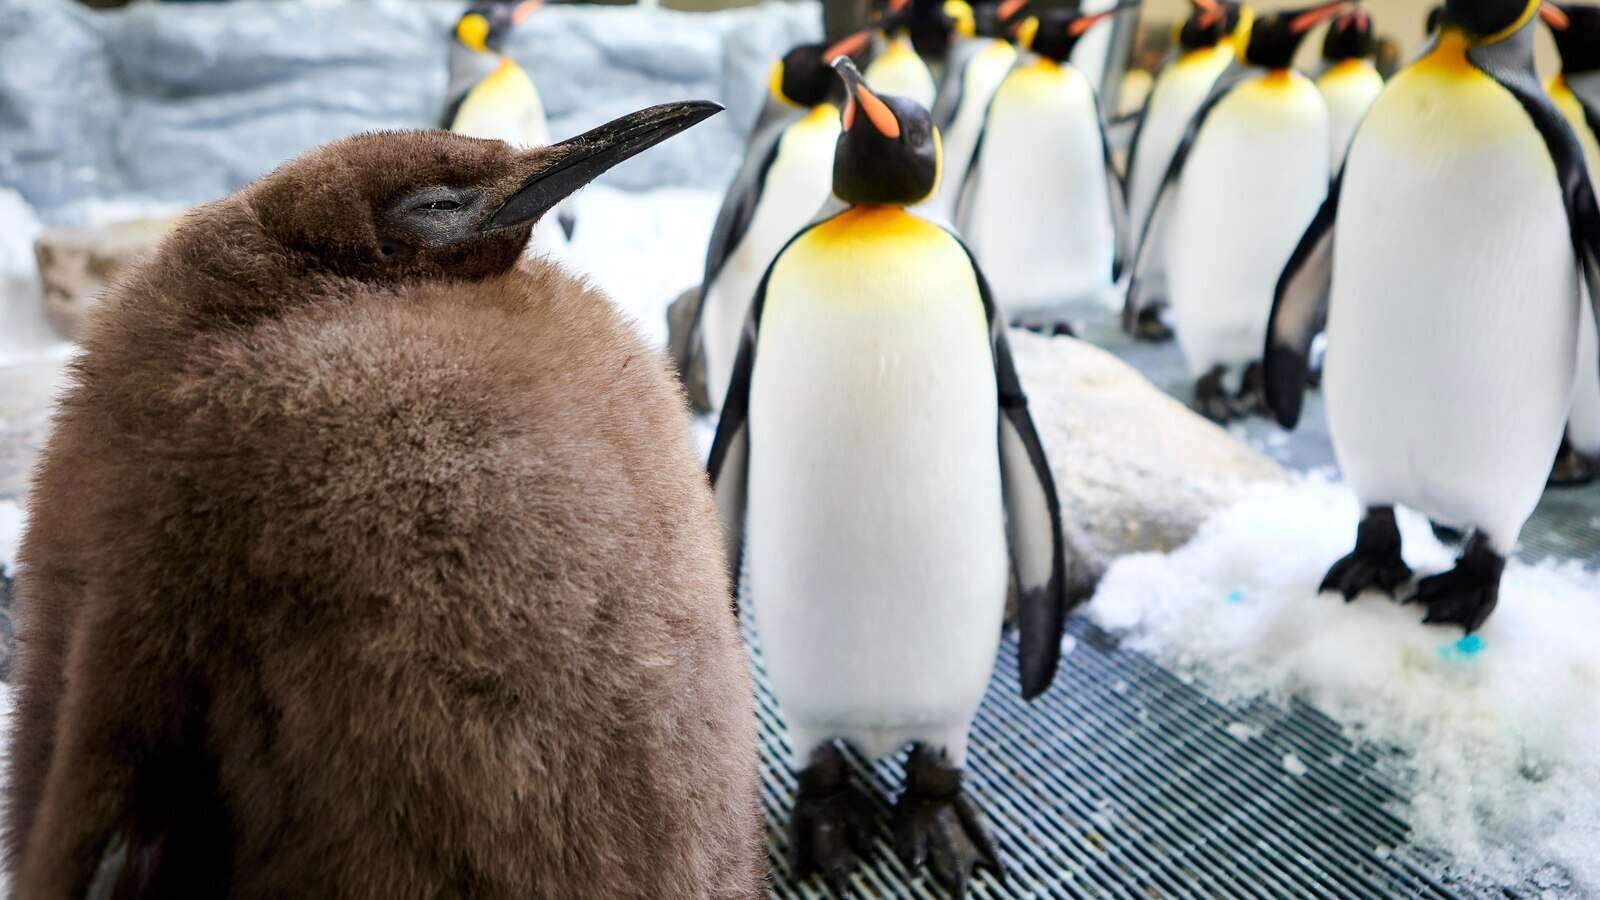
(785, 178)
(897, 68)
(1043, 207)
(1205, 50)
(1246, 178)
(1349, 81)
(1576, 92)
(492, 97)
(978, 61)
(1445, 262)
(370, 559)
(874, 365)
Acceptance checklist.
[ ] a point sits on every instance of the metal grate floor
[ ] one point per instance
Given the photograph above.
(1124, 781)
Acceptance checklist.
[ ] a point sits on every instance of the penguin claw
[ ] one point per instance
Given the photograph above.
(831, 825)
(1362, 570)
(1467, 594)
(1150, 328)
(936, 827)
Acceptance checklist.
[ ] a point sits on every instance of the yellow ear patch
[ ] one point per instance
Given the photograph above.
(1027, 31)
(1241, 34)
(960, 12)
(1527, 16)
(775, 85)
(473, 31)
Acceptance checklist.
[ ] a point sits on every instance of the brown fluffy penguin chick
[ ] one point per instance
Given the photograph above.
(366, 561)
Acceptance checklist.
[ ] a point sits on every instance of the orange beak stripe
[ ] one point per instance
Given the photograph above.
(525, 9)
(897, 5)
(1079, 26)
(1554, 16)
(849, 46)
(1009, 8)
(878, 113)
(1308, 20)
(1210, 12)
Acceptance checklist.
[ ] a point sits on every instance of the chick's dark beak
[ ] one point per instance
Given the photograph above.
(580, 160)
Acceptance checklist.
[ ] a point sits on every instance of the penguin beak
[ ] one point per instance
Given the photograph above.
(525, 9)
(1079, 26)
(1009, 8)
(577, 161)
(1554, 16)
(858, 96)
(1316, 15)
(849, 46)
(1207, 12)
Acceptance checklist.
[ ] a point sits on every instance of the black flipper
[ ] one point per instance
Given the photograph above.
(738, 208)
(1117, 196)
(729, 463)
(1220, 89)
(1033, 515)
(1510, 64)
(1299, 310)
(952, 86)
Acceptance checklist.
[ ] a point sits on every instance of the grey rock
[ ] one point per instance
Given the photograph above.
(179, 104)
(76, 265)
(1136, 470)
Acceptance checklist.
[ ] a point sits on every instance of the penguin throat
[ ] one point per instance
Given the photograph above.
(1449, 56)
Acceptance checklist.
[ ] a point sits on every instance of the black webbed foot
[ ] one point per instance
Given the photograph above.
(1467, 594)
(937, 827)
(1447, 534)
(1375, 562)
(1211, 399)
(831, 823)
(1150, 327)
(1572, 469)
(1252, 397)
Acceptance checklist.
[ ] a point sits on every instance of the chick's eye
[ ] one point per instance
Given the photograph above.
(441, 205)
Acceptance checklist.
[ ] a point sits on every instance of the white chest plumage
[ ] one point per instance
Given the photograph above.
(1256, 175)
(1039, 215)
(1174, 100)
(900, 72)
(1452, 325)
(798, 183)
(1349, 89)
(982, 76)
(875, 534)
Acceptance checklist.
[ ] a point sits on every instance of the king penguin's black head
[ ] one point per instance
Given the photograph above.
(1349, 37)
(1488, 21)
(888, 153)
(1210, 22)
(1577, 33)
(1273, 39)
(803, 76)
(1054, 33)
(1435, 19)
(485, 25)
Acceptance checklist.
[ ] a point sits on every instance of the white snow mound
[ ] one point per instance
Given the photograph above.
(1502, 729)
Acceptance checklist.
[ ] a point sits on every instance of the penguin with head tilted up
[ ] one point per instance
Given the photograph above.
(371, 559)
(1576, 92)
(1205, 50)
(978, 61)
(1445, 263)
(896, 68)
(875, 365)
(787, 175)
(1245, 179)
(490, 96)
(1043, 207)
(1349, 81)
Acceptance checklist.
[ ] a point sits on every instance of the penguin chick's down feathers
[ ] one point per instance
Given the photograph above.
(338, 584)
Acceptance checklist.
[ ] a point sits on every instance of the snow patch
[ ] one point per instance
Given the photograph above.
(1502, 728)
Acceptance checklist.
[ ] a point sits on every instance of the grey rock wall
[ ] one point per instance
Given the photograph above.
(181, 103)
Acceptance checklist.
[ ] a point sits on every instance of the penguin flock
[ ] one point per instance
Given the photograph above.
(367, 544)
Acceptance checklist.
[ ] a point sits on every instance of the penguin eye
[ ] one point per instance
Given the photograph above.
(441, 205)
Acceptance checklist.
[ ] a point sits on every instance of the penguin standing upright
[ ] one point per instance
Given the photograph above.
(974, 68)
(785, 178)
(874, 366)
(897, 69)
(1576, 92)
(1349, 81)
(1451, 246)
(1205, 50)
(1043, 208)
(368, 559)
(1245, 179)
(490, 96)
